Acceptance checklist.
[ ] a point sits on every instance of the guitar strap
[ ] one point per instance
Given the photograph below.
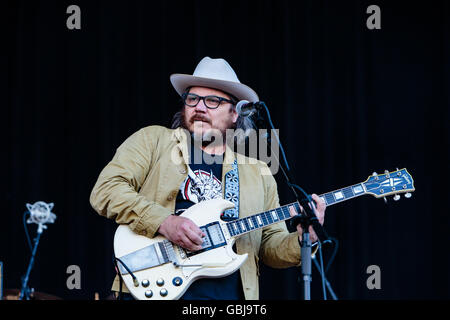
(231, 192)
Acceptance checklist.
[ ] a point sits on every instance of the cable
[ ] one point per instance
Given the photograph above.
(322, 273)
(333, 255)
(333, 295)
(135, 281)
(278, 139)
(309, 201)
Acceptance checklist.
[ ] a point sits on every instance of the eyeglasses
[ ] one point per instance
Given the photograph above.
(211, 102)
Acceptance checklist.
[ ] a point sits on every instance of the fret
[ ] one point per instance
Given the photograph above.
(358, 189)
(247, 223)
(348, 193)
(274, 215)
(230, 230)
(268, 217)
(235, 228)
(280, 213)
(286, 213)
(250, 222)
(297, 208)
(329, 198)
(263, 219)
(338, 195)
(238, 226)
(260, 222)
(243, 227)
(255, 220)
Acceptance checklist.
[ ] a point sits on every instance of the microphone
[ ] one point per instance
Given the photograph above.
(40, 213)
(245, 108)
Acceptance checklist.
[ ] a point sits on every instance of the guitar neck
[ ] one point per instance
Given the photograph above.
(266, 218)
(343, 194)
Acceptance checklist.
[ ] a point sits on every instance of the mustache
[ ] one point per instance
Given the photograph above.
(199, 117)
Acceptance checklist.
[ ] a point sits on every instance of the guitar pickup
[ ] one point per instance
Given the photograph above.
(214, 238)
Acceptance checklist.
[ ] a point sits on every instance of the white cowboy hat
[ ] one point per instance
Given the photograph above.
(216, 74)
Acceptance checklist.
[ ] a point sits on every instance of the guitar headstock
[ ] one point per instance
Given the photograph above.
(390, 183)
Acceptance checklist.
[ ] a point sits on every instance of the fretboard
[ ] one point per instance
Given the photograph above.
(343, 194)
(260, 220)
(263, 219)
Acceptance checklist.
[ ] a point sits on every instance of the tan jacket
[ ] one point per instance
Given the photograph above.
(140, 185)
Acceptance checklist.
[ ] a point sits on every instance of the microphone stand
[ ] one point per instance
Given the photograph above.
(25, 291)
(307, 218)
(40, 213)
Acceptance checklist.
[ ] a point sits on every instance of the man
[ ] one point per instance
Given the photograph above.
(153, 178)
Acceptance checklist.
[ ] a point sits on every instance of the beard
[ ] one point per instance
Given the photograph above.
(210, 136)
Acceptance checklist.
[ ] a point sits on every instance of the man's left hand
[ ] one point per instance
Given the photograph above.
(320, 213)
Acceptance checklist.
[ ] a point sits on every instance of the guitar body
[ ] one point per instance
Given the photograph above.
(164, 279)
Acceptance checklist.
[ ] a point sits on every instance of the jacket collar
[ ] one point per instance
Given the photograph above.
(182, 135)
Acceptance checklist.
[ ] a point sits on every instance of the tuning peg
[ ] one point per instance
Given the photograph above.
(386, 172)
(374, 174)
(396, 197)
(408, 195)
(385, 200)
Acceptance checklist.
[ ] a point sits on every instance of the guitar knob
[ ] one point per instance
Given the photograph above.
(145, 283)
(396, 197)
(177, 281)
(163, 292)
(148, 294)
(408, 195)
(160, 282)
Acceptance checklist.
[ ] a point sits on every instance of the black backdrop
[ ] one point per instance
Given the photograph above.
(348, 101)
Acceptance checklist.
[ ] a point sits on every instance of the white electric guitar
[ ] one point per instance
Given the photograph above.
(159, 269)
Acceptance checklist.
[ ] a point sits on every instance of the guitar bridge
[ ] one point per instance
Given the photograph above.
(147, 257)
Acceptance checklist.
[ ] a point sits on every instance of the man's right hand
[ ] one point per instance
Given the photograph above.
(183, 232)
